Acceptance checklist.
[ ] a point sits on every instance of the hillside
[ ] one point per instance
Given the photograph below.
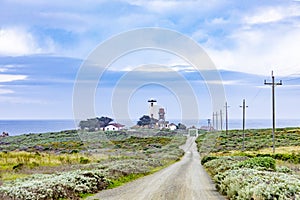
(255, 173)
(71, 165)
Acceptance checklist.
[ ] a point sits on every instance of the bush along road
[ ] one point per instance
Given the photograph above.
(184, 180)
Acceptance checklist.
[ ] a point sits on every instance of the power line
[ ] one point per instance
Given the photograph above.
(273, 105)
(291, 77)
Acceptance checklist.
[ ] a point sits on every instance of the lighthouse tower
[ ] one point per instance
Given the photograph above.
(153, 108)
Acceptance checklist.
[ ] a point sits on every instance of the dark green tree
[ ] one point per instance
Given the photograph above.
(95, 123)
(144, 120)
(104, 121)
(181, 126)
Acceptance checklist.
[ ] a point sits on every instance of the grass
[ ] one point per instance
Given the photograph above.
(255, 140)
(66, 141)
(31, 160)
(255, 178)
(125, 179)
(139, 143)
(120, 156)
(10, 176)
(15, 165)
(249, 178)
(281, 149)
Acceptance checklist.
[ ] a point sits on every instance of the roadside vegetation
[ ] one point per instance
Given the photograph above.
(255, 173)
(51, 166)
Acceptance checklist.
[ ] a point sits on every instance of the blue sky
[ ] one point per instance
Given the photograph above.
(43, 44)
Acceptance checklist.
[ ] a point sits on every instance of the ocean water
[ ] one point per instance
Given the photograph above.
(18, 127)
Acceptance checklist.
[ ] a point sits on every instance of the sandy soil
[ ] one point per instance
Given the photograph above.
(184, 180)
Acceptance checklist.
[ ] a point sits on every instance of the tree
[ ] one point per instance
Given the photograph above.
(144, 120)
(181, 126)
(95, 123)
(104, 121)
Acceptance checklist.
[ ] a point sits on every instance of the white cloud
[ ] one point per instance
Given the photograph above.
(184, 8)
(220, 82)
(260, 50)
(21, 100)
(3, 69)
(18, 41)
(156, 5)
(10, 77)
(6, 91)
(14, 41)
(218, 21)
(272, 14)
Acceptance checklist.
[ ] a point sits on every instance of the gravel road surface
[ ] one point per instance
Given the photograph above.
(184, 180)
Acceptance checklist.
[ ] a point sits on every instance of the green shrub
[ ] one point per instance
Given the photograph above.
(56, 186)
(284, 169)
(205, 159)
(222, 164)
(258, 185)
(18, 166)
(266, 163)
(84, 160)
(292, 158)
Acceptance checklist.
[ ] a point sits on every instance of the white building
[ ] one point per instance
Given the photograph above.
(114, 127)
(172, 127)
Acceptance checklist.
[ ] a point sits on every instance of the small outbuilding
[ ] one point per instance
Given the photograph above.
(172, 126)
(114, 127)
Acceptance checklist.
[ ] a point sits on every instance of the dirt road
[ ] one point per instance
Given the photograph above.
(184, 180)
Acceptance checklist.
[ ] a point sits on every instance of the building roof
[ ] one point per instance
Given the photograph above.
(152, 100)
(116, 125)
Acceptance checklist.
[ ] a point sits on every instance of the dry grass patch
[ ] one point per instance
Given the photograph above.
(17, 164)
(40, 159)
(288, 149)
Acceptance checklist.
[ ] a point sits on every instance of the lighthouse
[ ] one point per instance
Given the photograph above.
(153, 108)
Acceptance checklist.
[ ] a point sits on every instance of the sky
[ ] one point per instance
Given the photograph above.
(43, 45)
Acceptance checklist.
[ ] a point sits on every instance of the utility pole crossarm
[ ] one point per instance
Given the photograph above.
(279, 83)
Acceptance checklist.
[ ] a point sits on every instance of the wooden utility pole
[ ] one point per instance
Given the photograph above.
(217, 126)
(244, 118)
(221, 120)
(273, 105)
(213, 120)
(226, 117)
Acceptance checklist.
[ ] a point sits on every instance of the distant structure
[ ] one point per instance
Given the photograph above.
(161, 114)
(114, 127)
(157, 114)
(162, 123)
(4, 134)
(153, 108)
(172, 126)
